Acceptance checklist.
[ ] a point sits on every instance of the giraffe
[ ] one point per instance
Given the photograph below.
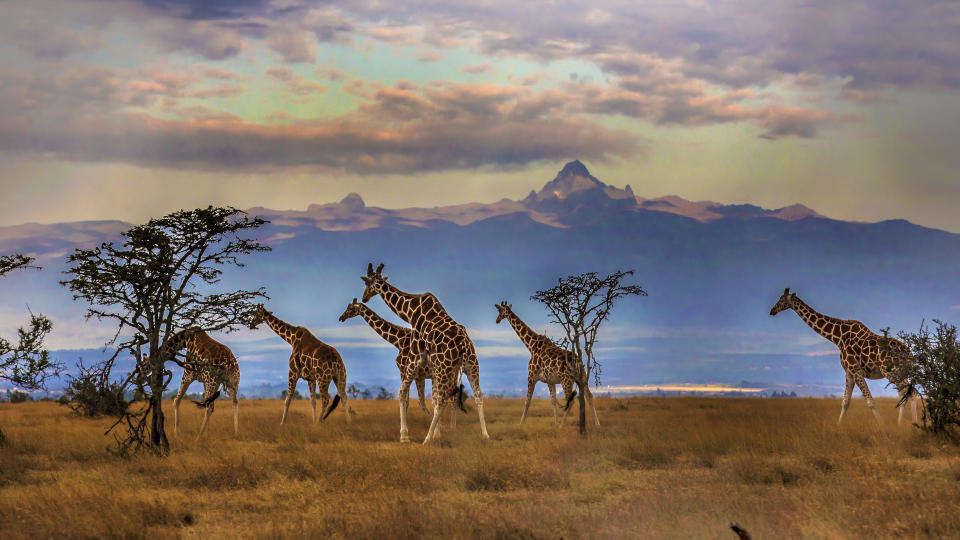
(438, 337)
(208, 361)
(548, 363)
(408, 362)
(862, 354)
(311, 360)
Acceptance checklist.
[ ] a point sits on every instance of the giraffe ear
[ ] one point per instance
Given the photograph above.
(510, 306)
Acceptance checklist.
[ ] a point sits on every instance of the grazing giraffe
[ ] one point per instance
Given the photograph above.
(208, 361)
(548, 363)
(311, 360)
(408, 362)
(863, 354)
(436, 336)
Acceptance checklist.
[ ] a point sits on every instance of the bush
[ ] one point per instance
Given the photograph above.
(935, 371)
(16, 396)
(283, 394)
(88, 395)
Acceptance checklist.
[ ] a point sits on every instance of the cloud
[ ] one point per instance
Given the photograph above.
(474, 69)
(439, 127)
(295, 83)
(294, 45)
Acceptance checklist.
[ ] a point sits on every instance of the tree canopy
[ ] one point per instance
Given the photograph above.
(26, 363)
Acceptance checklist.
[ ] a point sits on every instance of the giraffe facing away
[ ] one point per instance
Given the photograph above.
(410, 364)
(549, 363)
(311, 360)
(862, 354)
(439, 337)
(209, 362)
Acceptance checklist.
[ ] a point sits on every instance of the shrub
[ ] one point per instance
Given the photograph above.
(89, 395)
(935, 371)
(16, 396)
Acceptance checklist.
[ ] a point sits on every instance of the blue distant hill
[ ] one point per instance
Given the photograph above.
(713, 271)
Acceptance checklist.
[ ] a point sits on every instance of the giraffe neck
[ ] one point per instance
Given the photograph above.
(283, 329)
(176, 342)
(526, 335)
(403, 304)
(387, 330)
(817, 321)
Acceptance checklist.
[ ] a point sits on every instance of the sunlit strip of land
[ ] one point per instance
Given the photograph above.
(679, 388)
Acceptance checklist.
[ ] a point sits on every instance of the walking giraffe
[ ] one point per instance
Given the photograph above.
(863, 354)
(209, 362)
(410, 364)
(311, 360)
(445, 343)
(549, 363)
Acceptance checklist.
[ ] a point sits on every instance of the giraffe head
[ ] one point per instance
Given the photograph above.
(374, 281)
(503, 310)
(259, 314)
(786, 302)
(353, 309)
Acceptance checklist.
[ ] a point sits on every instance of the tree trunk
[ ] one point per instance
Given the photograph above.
(583, 410)
(158, 436)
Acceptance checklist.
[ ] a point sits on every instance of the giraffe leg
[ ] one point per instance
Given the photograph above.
(473, 377)
(439, 402)
(553, 397)
(453, 416)
(421, 393)
(313, 399)
(865, 390)
(208, 391)
(184, 384)
(291, 387)
(526, 404)
(403, 396)
(902, 403)
(567, 392)
(234, 394)
(589, 397)
(324, 392)
(847, 390)
(913, 408)
(342, 393)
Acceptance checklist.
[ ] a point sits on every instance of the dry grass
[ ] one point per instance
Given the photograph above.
(658, 468)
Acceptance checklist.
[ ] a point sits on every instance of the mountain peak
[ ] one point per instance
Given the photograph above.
(575, 168)
(353, 201)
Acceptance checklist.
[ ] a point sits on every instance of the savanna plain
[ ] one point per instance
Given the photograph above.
(656, 468)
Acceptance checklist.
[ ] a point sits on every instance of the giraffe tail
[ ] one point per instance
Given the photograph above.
(207, 402)
(911, 392)
(458, 391)
(333, 405)
(569, 402)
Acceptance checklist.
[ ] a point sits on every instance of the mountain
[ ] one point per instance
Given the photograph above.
(712, 270)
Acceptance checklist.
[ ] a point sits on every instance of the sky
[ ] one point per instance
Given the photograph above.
(119, 109)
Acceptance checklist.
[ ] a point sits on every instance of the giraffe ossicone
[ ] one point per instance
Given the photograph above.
(863, 354)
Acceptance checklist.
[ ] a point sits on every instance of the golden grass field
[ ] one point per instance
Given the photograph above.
(657, 468)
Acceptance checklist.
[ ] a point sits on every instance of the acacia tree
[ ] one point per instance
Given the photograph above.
(934, 372)
(580, 304)
(159, 281)
(26, 364)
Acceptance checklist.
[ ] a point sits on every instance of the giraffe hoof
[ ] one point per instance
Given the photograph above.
(405, 439)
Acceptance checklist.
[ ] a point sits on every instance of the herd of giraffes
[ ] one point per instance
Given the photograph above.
(436, 347)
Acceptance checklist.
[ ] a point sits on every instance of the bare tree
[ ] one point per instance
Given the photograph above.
(26, 364)
(580, 304)
(158, 282)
